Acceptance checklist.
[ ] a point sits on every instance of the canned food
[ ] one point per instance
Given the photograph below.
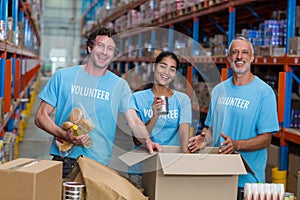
(73, 190)
(164, 109)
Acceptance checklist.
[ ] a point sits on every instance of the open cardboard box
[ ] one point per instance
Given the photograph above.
(173, 175)
(102, 182)
(26, 178)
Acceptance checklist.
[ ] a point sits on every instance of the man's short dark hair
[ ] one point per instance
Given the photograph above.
(101, 30)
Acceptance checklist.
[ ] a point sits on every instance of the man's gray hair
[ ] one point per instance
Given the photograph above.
(240, 38)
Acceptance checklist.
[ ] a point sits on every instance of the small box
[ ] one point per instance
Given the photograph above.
(26, 178)
(265, 51)
(278, 51)
(9, 142)
(273, 155)
(292, 183)
(298, 186)
(294, 47)
(293, 171)
(174, 175)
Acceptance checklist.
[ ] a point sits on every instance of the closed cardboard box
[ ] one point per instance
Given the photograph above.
(293, 170)
(294, 45)
(273, 155)
(294, 164)
(174, 175)
(298, 186)
(273, 161)
(26, 178)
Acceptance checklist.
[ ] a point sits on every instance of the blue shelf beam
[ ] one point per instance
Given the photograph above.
(15, 16)
(296, 78)
(171, 37)
(2, 76)
(288, 99)
(284, 152)
(4, 12)
(186, 28)
(195, 35)
(153, 39)
(217, 25)
(254, 13)
(231, 24)
(140, 45)
(291, 15)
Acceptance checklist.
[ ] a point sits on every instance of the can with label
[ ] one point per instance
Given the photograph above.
(164, 109)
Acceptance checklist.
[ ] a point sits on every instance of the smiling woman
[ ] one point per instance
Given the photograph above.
(173, 127)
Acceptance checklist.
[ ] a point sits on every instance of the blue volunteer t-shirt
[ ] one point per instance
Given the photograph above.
(166, 129)
(243, 112)
(101, 97)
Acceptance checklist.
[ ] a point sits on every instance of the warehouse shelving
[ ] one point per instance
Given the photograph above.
(222, 16)
(19, 61)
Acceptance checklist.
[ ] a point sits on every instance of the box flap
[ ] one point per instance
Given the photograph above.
(206, 162)
(12, 165)
(248, 168)
(201, 164)
(28, 165)
(135, 156)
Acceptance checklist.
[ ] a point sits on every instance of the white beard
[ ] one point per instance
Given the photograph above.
(239, 71)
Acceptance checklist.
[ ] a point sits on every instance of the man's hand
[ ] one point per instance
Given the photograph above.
(80, 140)
(228, 146)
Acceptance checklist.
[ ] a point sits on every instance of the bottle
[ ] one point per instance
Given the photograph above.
(75, 130)
(83, 131)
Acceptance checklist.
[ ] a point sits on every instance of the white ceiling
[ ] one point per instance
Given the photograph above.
(61, 17)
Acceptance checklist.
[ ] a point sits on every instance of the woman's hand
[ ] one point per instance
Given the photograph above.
(197, 142)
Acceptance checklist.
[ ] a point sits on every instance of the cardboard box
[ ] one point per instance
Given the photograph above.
(294, 47)
(298, 186)
(293, 171)
(174, 175)
(273, 155)
(26, 178)
(294, 164)
(292, 183)
(272, 161)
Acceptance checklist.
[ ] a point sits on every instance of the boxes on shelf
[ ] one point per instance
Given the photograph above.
(220, 39)
(133, 18)
(9, 31)
(219, 50)
(1, 152)
(274, 32)
(167, 174)
(297, 20)
(202, 94)
(26, 178)
(174, 5)
(298, 186)
(147, 12)
(294, 46)
(9, 146)
(278, 51)
(162, 8)
(270, 51)
(272, 161)
(293, 168)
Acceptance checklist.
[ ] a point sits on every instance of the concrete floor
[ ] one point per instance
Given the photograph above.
(37, 142)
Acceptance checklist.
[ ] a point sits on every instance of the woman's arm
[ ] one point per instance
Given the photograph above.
(184, 133)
